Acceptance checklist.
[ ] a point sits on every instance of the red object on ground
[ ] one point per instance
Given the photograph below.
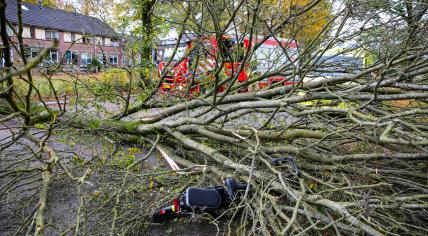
(176, 205)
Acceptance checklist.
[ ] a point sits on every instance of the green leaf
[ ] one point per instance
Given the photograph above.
(40, 126)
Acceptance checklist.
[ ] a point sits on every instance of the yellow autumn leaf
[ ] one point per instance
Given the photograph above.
(313, 187)
(96, 193)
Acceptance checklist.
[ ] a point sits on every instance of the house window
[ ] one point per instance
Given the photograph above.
(114, 43)
(78, 38)
(107, 41)
(89, 40)
(113, 58)
(26, 32)
(31, 53)
(52, 56)
(86, 58)
(67, 37)
(98, 40)
(71, 57)
(52, 34)
(102, 58)
(2, 57)
(40, 33)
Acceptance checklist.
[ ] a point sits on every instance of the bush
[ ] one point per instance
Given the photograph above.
(94, 66)
(113, 80)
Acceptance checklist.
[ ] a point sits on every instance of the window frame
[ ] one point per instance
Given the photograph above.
(116, 58)
(33, 52)
(114, 42)
(102, 58)
(49, 33)
(57, 55)
(25, 30)
(71, 59)
(85, 63)
(107, 41)
(89, 40)
(98, 40)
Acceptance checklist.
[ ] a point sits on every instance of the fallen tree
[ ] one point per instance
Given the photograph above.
(359, 136)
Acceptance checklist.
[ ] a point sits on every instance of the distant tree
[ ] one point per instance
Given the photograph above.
(46, 3)
(141, 22)
(310, 23)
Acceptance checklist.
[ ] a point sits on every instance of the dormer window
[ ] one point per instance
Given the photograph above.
(114, 42)
(98, 41)
(52, 34)
(28, 32)
(91, 40)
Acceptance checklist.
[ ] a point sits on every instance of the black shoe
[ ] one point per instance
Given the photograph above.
(233, 187)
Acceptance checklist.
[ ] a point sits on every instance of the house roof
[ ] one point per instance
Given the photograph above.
(51, 18)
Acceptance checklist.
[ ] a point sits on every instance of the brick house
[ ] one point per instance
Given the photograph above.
(81, 39)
